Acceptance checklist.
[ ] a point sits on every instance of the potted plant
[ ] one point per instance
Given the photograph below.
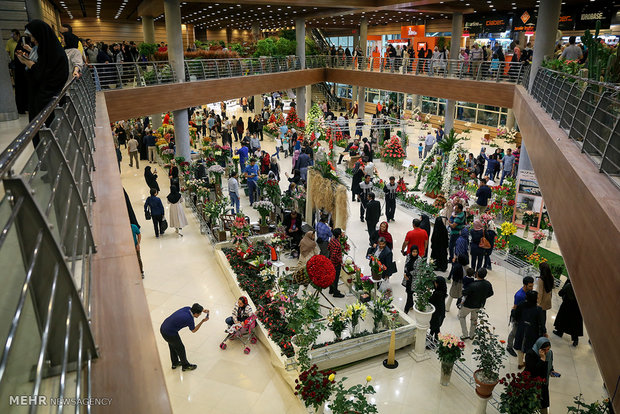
(423, 286)
(264, 207)
(521, 393)
(489, 353)
(376, 268)
(449, 350)
(314, 387)
(355, 312)
(434, 181)
(528, 219)
(352, 400)
(380, 308)
(337, 321)
(214, 210)
(583, 407)
(217, 171)
(539, 236)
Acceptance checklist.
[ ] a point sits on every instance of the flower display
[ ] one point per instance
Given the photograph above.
(264, 207)
(450, 348)
(337, 321)
(314, 387)
(321, 271)
(393, 153)
(535, 259)
(344, 244)
(521, 393)
(355, 313)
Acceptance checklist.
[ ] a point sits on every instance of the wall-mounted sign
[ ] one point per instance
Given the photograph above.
(524, 21)
(588, 16)
(495, 24)
(485, 24)
(567, 21)
(409, 32)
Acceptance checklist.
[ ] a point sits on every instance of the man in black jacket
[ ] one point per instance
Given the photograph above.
(476, 294)
(373, 213)
(390, 199)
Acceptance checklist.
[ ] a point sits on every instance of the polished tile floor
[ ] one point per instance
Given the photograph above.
(182, 270)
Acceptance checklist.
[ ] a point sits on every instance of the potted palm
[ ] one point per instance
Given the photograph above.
(489, 353)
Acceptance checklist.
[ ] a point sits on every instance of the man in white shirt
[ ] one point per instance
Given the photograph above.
(428, 143)
(132, 149)
(233, 192)
(572, 51)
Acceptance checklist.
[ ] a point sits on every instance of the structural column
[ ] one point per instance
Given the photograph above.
(148, 33)
(300, 36)
(8, 109)
(308, 97)
(510, 119)
(256, 30)
(546, 31)
(361, 92)
(455, 46)
(34, 10)
(174, 35)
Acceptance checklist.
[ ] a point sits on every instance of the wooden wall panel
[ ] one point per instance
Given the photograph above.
(128, 369)
(484, 92)
(137, 102)
(584, 207)
(12, 16)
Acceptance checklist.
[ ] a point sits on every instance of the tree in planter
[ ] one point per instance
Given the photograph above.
(449, 141)
(147, 50)
(434, 180)
(423, 285)
(488, 351)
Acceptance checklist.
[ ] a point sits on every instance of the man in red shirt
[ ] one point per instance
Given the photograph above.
(335, 255)
(415, 237)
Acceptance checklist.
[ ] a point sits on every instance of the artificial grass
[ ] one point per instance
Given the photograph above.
(552, 258)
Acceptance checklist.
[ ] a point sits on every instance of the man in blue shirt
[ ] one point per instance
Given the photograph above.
(243, 156)
(508, 163)
(251, 173)
(483, 195)
(528, 285)
(149, 140)
(170, 332)
(323, 234)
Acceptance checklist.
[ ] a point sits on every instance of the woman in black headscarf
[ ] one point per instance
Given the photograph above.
(48, 74)
(150, 178)
(438, 301)
(425, 224)
(439, 245)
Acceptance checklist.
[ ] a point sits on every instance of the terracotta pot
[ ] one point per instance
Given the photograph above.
(221, 236)
(484, 389)
(431, 195)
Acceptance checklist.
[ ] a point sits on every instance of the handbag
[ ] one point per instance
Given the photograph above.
(164, 225)
(484, 243)
(147, 213)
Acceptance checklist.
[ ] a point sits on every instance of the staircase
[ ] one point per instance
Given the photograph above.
(320, 40)
(321, 92)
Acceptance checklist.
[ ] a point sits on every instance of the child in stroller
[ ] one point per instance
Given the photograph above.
(240, 324)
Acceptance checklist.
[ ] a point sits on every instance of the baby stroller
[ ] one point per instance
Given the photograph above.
(240, 331)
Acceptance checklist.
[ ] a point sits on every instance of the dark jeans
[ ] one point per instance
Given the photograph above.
(453, 238)
(236, 134)
(487, 261)
(390, 208)
(252, 188)
(177, 349)
(477, 260)
(371, 227)
(409, 303)
(231, 322)
(334, 287)
(158, 224)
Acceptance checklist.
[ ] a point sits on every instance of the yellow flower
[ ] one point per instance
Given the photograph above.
(331, 377)
(368, 378)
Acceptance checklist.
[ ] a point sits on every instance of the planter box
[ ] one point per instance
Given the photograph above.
(358, 349)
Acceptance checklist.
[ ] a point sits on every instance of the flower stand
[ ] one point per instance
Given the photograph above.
(422, 321)
(446, 373)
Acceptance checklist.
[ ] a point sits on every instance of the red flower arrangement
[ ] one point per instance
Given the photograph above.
(402, 187)
(522, 393)
(321, 271)
(314, 387)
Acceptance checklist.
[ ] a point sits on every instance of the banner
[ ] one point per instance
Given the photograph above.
(567, 20)
(588, 16)
(409, 32)
(524, 21)
(495, 23)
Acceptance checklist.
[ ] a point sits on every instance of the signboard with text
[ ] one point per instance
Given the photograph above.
(524, 21)
(409, 32)
(485, 24)
(588, 16)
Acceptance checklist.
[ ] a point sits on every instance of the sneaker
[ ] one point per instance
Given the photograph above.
(511, 351)
(338, 295)
(190, 367)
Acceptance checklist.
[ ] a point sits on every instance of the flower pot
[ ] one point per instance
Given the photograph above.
(264, 229)
(526, 231)
(483, 389)
(446, 372)
(221, 235)
(376, 276)
(423, 319)
(432, 195)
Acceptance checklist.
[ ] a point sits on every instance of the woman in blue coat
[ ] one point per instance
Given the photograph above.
(155, 208)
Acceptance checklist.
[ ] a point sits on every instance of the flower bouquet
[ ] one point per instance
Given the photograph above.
(355, 312)
(380, 307)
(521, 393)
(264, 207)
(337, 321)
(539, 236)
(344, 244)
(528, 219)
(393, 154)
(377, 268)
(314, 387)
(506, 230)
(217, 171)
(535, 259)
(321, 271)
(449, 350)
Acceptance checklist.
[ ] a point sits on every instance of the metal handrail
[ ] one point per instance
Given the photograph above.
(589, 112)
(48, 207)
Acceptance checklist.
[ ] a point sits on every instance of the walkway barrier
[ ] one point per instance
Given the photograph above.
(588, 111)
(46, 248)
(132, 75)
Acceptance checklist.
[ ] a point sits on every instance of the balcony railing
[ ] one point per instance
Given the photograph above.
(46, 247)
(588, 111)
(132, 75)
